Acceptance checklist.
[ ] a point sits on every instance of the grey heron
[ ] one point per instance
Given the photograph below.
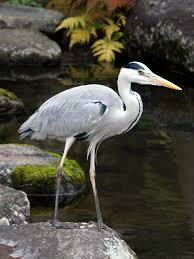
(94, 113)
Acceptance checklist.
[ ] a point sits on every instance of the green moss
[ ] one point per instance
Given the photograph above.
(8, 94)
(41, 178)
(74, 171)
(34, 179)
(54, 154)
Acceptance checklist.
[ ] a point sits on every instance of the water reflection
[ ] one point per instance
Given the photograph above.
(145, 178)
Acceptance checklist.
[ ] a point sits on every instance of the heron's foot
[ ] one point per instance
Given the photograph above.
(55, 223)
(101, 225)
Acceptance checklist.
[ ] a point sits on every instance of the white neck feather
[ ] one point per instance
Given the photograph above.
(124, 88)
(132, 101)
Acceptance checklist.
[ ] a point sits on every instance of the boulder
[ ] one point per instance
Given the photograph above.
(31, 18)
(28, 168)
(163, 30)
(9, 103)
(83, 241)
(14, 206)
(25, 47)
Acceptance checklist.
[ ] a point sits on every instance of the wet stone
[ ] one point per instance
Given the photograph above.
(14, 206)
(27, 47)
(41, 240)
(31, 18)
(162, 30)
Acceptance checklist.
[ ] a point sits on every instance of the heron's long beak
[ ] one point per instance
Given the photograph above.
(163, 82)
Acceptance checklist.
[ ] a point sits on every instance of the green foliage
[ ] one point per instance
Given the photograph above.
(34, 3)
(83, 29)
(105, 48)
(79, 29)
(73, 23)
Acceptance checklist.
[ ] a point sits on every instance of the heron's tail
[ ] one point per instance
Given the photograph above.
(25, 133)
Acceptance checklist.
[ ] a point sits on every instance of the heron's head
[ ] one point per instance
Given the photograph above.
(137, 72)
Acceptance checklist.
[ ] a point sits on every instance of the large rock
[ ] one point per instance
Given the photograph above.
(14, 206)
(30, 169)
(24, 47)
(25, 17)
(163, 30)
(81, 241)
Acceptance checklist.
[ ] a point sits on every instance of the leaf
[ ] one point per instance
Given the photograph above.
(72, 23)
(111, 28)
(122, 20)
(117, 36)
(82, 35)
(105, 49)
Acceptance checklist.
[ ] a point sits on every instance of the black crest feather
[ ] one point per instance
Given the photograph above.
(134, 65)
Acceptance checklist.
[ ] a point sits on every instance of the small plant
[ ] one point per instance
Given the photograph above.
(93, 25)
(105, 48)
(79, 28)
(25, 2)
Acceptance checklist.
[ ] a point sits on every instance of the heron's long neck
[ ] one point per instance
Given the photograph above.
(124, 89)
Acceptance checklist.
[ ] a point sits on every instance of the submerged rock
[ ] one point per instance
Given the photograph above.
(26, 47)
(9, 103)
(81, 241)
(14, 206)
(163, 30)
(31, 18)
(33, 170)
(29, 74)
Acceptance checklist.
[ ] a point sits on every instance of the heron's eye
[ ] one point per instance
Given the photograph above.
(141, 72)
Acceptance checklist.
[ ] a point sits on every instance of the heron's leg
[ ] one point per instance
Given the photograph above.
(93, 182)
(68, 144)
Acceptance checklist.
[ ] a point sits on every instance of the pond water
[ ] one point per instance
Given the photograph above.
(145, 178)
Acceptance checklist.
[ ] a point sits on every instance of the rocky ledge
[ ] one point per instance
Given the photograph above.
(163, 30)
(82, 241)
(25, 47)
(26, 17)
(22, 41)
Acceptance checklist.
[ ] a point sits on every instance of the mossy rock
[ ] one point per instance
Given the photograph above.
(40, 179)
(9, 103)
(8, 94)
(33, 170)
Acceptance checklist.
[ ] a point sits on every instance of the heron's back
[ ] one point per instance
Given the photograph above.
(71, 112)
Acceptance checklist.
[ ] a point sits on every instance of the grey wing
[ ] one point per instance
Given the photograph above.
(70, 113)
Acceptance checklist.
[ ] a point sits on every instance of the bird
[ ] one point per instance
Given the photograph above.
(91, 112)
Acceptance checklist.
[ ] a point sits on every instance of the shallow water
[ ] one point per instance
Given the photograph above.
(145, 178)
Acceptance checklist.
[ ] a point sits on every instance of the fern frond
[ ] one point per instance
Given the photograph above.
(110, 30)
(117, 35)
(122, 20)
(72, 23)
(105, 49)
(81, 35)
